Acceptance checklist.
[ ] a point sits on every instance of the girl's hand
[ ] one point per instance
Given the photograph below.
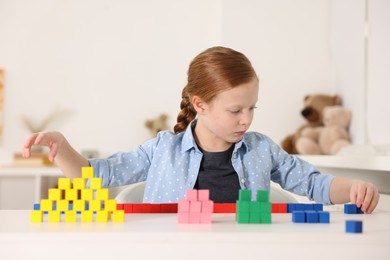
(365, 195)
(53, 140)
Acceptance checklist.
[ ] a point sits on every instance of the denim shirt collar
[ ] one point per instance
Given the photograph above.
(189, 140)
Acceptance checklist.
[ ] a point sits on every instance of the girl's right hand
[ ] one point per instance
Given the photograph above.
(53, 140)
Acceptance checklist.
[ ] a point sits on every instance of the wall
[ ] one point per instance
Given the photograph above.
(106, 66)
(288, 42)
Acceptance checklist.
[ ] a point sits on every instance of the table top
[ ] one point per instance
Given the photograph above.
(159, 236)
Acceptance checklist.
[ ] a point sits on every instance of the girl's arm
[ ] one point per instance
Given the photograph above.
(67, 159)
(364, 194)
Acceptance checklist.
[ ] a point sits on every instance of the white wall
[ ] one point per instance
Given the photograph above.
(288, 42)
(109, 64)
(112, 64)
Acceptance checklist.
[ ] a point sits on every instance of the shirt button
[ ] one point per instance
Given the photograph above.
(234, 156)
(242, 180)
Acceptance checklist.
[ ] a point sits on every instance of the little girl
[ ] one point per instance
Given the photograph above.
(210, 147)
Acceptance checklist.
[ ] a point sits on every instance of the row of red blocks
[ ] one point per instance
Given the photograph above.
(173, 208)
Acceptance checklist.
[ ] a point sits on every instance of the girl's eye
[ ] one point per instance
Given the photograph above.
(235, 111)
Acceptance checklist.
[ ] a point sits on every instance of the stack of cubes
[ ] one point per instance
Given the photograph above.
(75, 198)
(258, 212)
(196, 207)
(310, 216)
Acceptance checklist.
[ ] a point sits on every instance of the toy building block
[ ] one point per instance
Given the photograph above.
(298, 216)
(79, 205)
(36, 206)
(258, 211)
(119, 206)
(279, 208)
(203, 195)
(96, 183)
(102, 194)
(196, 207)
(118, 216)
(46, 205)
(224, 207)
(64, 183)
(71, 194)
(110, 205)
(354, 226)
(128, 208)
(95, 205)
(311, 216)
(87, 172)
(318, 207)
(79, 183)
(62, 205)
(102, 216)
(87, 194)
(87, 216)
(54, 216)
(155, 208)
(168, 208)
(192, 195)
(352, 209)
(70, 216)
(55, 194)
(72, 198)
(36, 216)
(323, 217)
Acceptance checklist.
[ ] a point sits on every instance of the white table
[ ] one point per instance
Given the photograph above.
(159, 236)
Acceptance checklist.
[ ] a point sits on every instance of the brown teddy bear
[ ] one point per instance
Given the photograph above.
(157, 125)
(312, 112)
(330, 138)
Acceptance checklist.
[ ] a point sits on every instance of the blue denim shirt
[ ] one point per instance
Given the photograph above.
(170, 165)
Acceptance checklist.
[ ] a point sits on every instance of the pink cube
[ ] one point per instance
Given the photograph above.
(183, 206)
(208, 206)
(194, 217)
(191, 194)
(203, 195)
(195, 206)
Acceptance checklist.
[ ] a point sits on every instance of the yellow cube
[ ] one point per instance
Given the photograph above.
(71, 194)
(46, 205)
(110, 205)
(102, 216)
(79, 205)
(95, 205)
(36, 216)
(87, 172)
(87, 194)
(96, 183)
(64, 183)
(87, 216)
(55, 194)
(118, 216)
(78, 183)
(63, 205)
(54, 216)
(102, 194)
(70, 216)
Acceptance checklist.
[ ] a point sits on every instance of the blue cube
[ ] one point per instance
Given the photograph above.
(311, 216)
(354, 226)
(298, 217)
(318, 207)
(323, 217)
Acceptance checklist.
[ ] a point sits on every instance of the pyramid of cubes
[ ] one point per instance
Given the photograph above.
(257, 212)
(196, 207)
(73, 201)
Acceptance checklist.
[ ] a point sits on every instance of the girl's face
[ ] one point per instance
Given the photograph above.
(227, 117)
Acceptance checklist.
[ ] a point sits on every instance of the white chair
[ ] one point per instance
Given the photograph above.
(134, 193)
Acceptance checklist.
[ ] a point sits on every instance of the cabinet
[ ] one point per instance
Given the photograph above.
(21, 187)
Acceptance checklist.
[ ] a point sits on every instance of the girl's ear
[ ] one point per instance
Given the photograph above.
(198, 104)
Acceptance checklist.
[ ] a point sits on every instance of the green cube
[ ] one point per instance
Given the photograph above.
(245, 195)
(262, 196)
(242, 217)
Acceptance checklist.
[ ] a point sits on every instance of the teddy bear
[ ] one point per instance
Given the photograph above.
(312, 112)
(330, 138)
(158, 124)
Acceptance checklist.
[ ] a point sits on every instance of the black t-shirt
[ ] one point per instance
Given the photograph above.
(217, 174)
